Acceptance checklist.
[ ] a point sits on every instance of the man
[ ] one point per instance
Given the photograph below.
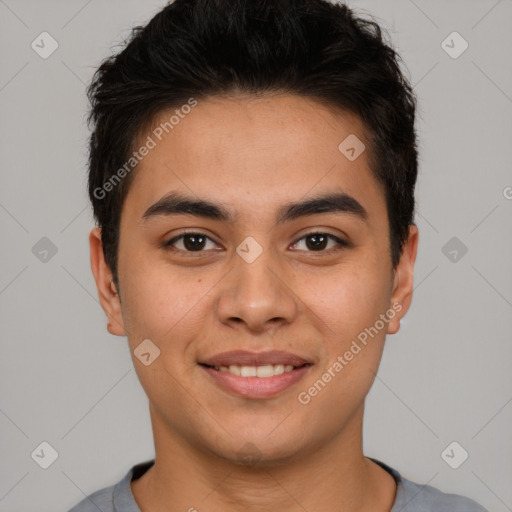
(252, 173)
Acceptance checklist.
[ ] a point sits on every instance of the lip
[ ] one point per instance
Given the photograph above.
(247, 358)
(255, 387)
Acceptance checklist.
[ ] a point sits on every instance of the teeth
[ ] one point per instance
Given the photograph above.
(264, 371)
(248, 371)
(278, 369)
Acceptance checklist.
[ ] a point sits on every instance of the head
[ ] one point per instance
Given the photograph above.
(280, 136)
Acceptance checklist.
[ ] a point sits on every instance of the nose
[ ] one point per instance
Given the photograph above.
(256, 294)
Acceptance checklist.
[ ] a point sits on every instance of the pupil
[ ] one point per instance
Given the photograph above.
(318, 241)
(197, 241)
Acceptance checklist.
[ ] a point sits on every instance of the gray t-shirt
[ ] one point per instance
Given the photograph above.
(410, 497)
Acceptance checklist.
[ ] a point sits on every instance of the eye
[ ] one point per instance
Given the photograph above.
(190, 242)
(317, 242)
(197, 242)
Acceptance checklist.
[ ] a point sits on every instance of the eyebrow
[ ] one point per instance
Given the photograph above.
(176, 203)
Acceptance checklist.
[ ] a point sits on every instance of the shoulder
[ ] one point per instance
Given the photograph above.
(117, 497)
(100, 500)
(414, 497)
(425, 498)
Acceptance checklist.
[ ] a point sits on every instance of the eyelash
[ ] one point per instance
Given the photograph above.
(341, 243)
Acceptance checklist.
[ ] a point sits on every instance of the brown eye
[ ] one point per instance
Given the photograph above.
(198, 242)
(190, 242)
(317, 242)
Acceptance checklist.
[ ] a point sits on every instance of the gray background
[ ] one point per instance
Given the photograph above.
(445, 377)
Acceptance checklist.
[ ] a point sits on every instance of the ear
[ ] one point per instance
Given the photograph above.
(109, 298)
(401, 296)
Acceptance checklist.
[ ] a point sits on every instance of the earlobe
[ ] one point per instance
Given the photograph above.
(107, 292)
(403, 280)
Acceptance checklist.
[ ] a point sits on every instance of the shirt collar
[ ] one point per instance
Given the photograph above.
(124, 501)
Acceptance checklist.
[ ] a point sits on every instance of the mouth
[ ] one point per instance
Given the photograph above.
(256, 375)
(263, 372)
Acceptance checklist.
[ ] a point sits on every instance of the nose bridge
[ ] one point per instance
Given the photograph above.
(255, 292)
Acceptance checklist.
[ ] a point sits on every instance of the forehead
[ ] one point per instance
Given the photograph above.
(253, 151)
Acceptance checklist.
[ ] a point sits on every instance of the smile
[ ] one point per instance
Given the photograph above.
(255, 381)
(263, 372)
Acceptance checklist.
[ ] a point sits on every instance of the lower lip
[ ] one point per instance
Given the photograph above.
(257, 387)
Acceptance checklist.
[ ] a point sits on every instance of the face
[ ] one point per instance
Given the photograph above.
(262, 276)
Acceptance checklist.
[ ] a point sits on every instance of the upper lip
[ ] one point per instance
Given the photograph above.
(247, 358)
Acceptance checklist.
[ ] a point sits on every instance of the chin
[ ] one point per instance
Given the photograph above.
(259, 451)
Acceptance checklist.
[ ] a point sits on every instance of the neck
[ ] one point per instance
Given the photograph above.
(328, 478)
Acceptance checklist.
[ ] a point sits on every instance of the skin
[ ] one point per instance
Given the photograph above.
(253, 155)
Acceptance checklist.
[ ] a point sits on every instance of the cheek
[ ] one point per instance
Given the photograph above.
(348, 299)
(165, 310)
(354, 343)
(163, 304)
